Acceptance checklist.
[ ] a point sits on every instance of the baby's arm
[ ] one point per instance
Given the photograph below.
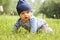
(33, 25)
(16, 26)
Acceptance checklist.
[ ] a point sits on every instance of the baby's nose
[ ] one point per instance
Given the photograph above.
(26, 14)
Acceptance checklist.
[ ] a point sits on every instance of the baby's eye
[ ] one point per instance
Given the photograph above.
(22, 13)
(27, 12)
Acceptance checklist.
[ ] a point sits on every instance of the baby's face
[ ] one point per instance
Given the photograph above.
(25, 15)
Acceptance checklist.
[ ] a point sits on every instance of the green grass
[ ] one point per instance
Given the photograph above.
(6, 25)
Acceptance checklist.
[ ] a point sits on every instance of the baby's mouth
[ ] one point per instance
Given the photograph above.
(26, 17)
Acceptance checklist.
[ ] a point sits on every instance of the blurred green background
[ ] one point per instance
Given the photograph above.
(48, 8)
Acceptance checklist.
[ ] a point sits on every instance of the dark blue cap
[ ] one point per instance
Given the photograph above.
(22, 5)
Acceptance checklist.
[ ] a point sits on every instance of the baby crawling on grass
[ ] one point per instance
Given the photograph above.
(28, 21)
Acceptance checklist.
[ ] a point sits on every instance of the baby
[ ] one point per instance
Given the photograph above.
(27, 20)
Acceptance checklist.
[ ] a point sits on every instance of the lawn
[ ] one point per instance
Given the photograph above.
(7, 22)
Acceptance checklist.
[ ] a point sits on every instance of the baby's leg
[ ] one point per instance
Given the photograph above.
(45, 28)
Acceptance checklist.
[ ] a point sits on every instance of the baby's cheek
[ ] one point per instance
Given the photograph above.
(30, 15)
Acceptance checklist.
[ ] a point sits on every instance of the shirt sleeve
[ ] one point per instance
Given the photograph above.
(33, 25)
(16, 25)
